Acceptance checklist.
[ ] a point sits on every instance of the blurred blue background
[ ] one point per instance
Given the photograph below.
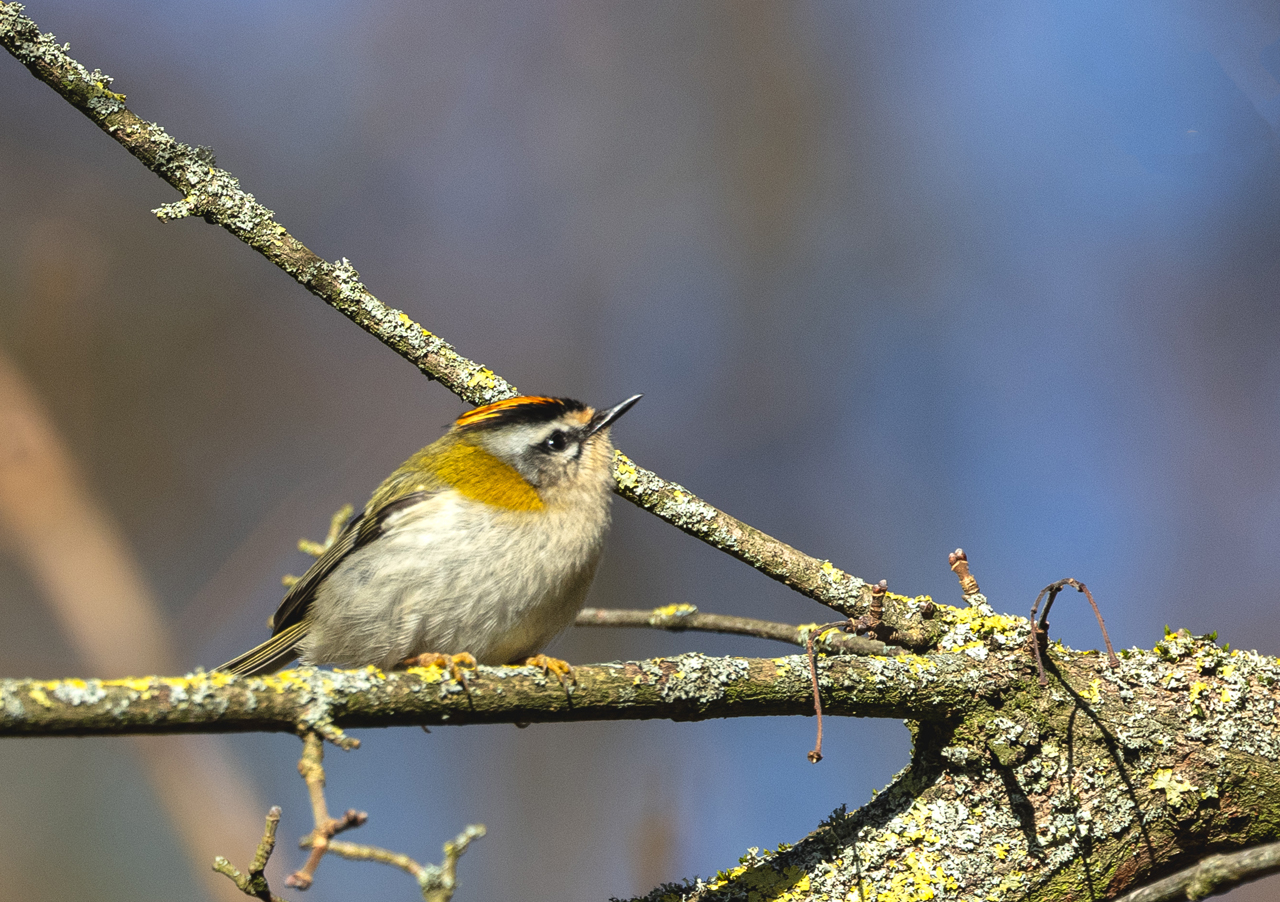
(893, 278)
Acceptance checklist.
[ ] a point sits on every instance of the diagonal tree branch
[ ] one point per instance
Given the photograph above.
(215, 195)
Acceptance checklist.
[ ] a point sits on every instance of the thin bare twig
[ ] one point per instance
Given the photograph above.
(680, 617)
(255, 882)
(216, 196)
(815, 755)
(1039, 637)
(437, 882)
(311, 767)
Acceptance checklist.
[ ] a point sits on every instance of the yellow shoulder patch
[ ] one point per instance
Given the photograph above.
(480, 476)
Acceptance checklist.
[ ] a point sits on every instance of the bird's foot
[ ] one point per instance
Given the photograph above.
(452, 663)
(560, 668)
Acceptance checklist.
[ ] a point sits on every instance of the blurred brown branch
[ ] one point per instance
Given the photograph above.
(88, 577)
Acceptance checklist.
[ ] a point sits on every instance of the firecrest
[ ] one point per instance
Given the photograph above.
(483, 545)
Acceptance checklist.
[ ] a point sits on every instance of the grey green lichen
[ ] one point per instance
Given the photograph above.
(1061, 793)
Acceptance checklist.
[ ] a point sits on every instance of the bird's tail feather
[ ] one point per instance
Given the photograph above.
(270, 656)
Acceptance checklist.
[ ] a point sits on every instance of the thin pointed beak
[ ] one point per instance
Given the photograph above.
(604, 418)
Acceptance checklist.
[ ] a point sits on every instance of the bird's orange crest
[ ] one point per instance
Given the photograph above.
(524, 407)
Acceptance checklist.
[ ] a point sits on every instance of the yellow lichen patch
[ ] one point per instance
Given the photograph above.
(38, 696)
(1093, 694)
(627, 474)
(288, 680)
(1198, 687)
(675, 610)
(1174, 786)
(918, 878)
(482, 376)
(919, 664)
(764, 883)
(982, 623)
(432, 673)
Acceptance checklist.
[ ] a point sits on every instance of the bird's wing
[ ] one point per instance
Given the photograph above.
(363, 529)
(289, 623)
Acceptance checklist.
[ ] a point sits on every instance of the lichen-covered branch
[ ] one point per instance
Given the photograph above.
(686, 687)
(1211, 876)
(216, 196)
(1081, 791)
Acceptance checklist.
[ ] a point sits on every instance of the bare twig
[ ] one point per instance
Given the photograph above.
(216, 196)
(315, 549)
(680, 617)
(255, 882)
(1039, 637)
(311, 767)
(1211, 876)
(437, 882)
(816, 754)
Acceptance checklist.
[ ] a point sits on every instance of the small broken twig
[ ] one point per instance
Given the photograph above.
(437, 882)
(816, 755)
(1039, 638)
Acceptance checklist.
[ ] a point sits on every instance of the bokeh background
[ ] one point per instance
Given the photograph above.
(893, 278)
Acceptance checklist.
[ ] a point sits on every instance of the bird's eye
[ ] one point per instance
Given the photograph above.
(556, 441)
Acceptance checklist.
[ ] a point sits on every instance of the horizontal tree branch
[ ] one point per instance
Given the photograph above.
(216, 196)
(686, 687)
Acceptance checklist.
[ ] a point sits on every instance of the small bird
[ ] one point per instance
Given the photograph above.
(481, 547)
